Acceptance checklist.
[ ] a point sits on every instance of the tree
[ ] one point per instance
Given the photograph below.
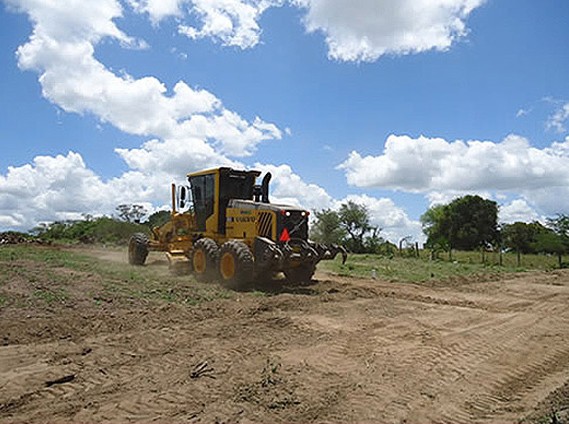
(157, 219)
(473, 222)
(521, 236)
(550, 242)
(560, 226)
(131, 213)
(435, 227)
(350, 226)
(354, 220)
(467, 223)
(327, 229)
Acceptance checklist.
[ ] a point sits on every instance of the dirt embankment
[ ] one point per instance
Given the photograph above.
(340, 350)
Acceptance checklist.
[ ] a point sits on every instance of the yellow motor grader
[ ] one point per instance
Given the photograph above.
(223, 227)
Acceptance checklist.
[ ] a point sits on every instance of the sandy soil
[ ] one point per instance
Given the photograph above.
(340, 350)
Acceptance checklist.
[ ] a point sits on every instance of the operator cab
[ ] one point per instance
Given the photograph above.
(223, 184)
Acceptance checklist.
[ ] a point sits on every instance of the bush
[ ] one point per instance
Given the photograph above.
(99, 230)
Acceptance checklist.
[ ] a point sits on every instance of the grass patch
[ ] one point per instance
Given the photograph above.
(51, 296)
(50, 275)
(423, 268)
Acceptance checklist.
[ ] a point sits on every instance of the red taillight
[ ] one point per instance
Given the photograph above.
(285, 236)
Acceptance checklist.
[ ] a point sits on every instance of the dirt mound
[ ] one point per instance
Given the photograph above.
(338, 350)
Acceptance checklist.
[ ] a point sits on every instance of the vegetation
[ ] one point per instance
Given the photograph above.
(35, 276)
(91, 230)
(349, 226)
(423, 268)
(102, 230)
(467, 223)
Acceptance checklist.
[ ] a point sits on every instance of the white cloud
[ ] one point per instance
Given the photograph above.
(290, 189)
(233, 22)
(364, 30)
(355, 30)
(52, 188)
(518, 211)
(558, 120)
(393, 221)
(62, 49)
(430, 164)
(443, 170)
(158, 10)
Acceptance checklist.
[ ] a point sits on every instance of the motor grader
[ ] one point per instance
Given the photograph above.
(223, 227)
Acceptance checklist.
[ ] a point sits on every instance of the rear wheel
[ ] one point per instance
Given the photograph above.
(301, 274)
(204, 259)
(236, 263)
(137, 249)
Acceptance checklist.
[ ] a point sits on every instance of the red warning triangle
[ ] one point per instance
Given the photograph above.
(285, 236)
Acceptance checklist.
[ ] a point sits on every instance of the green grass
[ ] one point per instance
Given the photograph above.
(424, 269)
(51, 276)
(52, 296)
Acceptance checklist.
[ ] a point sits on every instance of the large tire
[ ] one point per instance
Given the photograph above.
(204, 259)
(301, 274)
(138, 249)
(236, 264)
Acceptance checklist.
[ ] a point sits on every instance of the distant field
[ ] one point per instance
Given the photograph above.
(424, 269)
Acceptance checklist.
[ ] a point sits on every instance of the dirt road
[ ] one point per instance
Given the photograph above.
(340, 350)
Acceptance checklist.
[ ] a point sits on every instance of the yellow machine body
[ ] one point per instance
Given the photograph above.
(223, 226)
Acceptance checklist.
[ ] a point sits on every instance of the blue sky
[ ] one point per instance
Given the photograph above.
(396, 105)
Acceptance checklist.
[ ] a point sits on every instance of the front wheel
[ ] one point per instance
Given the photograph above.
(204, 259)
(236, 263)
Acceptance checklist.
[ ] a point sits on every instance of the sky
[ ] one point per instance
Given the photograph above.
(395, 105)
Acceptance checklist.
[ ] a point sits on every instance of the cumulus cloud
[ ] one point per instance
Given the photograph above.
(355, 30)
(558, 120)
(233, 22)
(519, 210)
(429, 164)
(158, 10)
(51, 188)
(190, 128)
(289, 188)
(364, 30)
(393, 221)
(442, 169)
(61, 49)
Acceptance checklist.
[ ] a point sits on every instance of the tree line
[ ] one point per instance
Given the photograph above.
(116, 229)
(467, 223)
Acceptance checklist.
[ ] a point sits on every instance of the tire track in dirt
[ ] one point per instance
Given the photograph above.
(346, 350)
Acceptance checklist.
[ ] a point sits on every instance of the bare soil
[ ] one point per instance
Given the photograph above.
(338, 350)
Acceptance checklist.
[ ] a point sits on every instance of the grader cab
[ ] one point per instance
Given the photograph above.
(223, 227)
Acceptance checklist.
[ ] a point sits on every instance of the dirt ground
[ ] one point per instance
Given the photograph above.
(339, 350)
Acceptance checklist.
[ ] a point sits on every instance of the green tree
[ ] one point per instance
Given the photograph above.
(435, 226)
(327, 229)
(349, 226)
(354, 220)
(560, 226)
(157, 219)
(550, 242)
(522, 237)
(466, 223)
(473, 222)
